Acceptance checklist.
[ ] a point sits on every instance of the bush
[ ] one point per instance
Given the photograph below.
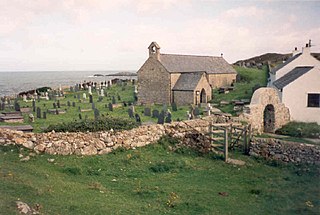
(101, 124)
(300, 129)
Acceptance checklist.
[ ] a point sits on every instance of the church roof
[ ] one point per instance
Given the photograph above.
(191, 63)
(291, 76)
(188, 81)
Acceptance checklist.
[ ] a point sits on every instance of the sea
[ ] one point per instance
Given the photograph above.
(12, 83)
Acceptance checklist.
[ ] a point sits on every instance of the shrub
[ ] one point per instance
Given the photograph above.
(101, 124)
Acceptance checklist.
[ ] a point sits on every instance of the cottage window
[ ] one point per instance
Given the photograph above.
(313, 100)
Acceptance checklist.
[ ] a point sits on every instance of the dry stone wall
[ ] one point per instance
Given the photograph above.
(292, 152)
(92, 143)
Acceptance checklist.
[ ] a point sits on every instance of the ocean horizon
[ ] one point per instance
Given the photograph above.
(14, 82)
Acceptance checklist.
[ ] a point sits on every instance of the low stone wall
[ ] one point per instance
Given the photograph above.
(285, 151)
(92, 143)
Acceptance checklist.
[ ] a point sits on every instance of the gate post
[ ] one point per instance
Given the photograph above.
(225, 144)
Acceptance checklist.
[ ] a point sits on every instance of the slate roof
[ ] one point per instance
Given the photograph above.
(291, 76)
(191, 63)
(188, 81)
(274, 71)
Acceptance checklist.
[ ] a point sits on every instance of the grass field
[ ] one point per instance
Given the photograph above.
(155, 180)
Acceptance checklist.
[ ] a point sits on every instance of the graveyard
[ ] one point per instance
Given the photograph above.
(73, 104)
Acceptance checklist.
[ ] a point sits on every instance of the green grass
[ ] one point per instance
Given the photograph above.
(300, 130)
(155, 180)
(249, 78)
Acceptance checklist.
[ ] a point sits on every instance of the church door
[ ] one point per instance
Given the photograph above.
(203, 96)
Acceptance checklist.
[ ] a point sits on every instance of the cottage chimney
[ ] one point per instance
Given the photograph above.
(306, 50)
(295, 51)
(154, 51)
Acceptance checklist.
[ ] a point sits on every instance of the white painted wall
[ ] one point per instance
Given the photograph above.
(295, 96)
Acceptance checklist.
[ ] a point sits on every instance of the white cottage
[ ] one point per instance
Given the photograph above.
(298, 83)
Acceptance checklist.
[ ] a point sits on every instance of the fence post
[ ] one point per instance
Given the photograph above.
(210, 132)
(225, 144)
(245, 140)
(249, 138)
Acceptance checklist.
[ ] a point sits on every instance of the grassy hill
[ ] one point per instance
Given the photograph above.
(155, 180)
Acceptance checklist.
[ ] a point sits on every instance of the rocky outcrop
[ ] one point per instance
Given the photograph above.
(273, 149)
(92, 143)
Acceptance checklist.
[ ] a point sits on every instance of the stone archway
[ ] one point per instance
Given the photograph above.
(266, 113)
(203, 96)
(268, 119)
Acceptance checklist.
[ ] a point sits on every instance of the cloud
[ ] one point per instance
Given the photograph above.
(250, 11)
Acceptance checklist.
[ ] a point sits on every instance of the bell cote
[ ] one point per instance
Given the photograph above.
(154, 50)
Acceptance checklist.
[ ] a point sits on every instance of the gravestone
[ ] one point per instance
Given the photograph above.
(89, 90)
(168, 118)
(68, 103)
(155, 114)
(38, 113)
(2, 106)
(58, 104)
(71, 89)
(96, 114)
(74, 96)
(33, 105)
(100, 99)
(137, 117)
(76, 88)
(80, 116)
(90, 98)
(73, 104)
(196, 112)
(119, 98)
(110, 107)
(16, 106)
(84, 96)
(174, 106)
(24, 97)
(147, 111)
(57, 111)
(54, 105)
(124, 104)
(130, 113)
(161, 118)
(102, 92)
(93, 106)
(78, 96)
(113, 100)
(79, 108)
(44, 115)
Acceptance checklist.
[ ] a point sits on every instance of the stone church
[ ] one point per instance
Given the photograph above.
(183, 79)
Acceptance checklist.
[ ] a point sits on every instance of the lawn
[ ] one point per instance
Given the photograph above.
(155, 180)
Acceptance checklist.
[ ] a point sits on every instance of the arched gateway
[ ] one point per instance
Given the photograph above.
(266, 113)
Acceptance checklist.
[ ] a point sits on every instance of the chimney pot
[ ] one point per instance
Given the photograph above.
(295, 48)
(221, 54)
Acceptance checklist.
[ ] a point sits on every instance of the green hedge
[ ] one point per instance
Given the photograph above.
(300, 129)
(101, 124)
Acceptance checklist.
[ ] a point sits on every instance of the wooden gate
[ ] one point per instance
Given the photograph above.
(229, 135)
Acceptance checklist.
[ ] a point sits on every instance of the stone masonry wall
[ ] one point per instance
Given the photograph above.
(285, 151)
(92, 143)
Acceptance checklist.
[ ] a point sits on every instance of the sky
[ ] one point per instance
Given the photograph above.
(49, 35)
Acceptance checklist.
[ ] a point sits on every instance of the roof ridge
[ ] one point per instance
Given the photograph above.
(192, 55)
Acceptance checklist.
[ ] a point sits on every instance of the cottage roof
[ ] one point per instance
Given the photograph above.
(274, 71)
(191, 63)
(291, 76)
(188, 81)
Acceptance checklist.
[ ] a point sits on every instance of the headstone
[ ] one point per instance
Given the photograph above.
(130, 113)
(155, 114)
(78, 96)
(47, 96)
(68, 103)
(119, 98)
(44, 115)
(31, 117)
(33, 105)
(136, 89)
(58, 104)
(189, 116)
(168, 118)
(110, 107)
(2, 105)
(89, 90)
(76, 88)
(196, 111)
(38, 113)
(208, 109)
(137, 117)
(80, 116)
(54, 105)
(147, 111)
(100, 99)
(161, 118)
(96, 114)
(174, 106)
(84, 96)
(57, 111)
(71, 89)
(93, 106)
(90, 98)
(16, 106)
(124, 104)
(102, 92)
(113, 100)
(73, 104)
(24, 97)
